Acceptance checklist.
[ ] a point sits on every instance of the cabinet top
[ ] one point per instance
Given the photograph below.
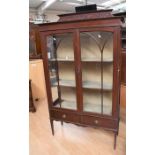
(84, 16)
(83, 20)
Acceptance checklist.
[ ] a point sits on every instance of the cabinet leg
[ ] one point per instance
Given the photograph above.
(117, 133)
(32, 109)
(61, 122)
(52, 127)
(115, 139)
(118, 126)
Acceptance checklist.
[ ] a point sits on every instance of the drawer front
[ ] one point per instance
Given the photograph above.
(65, 116)
(99, 122)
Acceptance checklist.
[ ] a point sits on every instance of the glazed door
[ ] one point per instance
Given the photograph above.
(61, 67)
(97, 67)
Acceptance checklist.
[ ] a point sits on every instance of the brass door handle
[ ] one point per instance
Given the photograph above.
(96, 121)
(64, 116)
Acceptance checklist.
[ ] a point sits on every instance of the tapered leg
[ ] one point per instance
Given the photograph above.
(61, 122)
(115, 139)
(52, 127)
(118, 126)
(117, 133)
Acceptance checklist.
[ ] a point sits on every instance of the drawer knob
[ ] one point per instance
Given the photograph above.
(96, 121)
(64, 116)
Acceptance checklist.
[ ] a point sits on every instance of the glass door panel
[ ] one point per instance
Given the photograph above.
(97, 71)
(62, 70)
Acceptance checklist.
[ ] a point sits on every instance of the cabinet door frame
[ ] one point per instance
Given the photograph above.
(78, 69)
(44, 36)
(116, 69)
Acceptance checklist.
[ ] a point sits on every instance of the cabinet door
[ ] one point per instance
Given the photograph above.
(62, 70)
(97, 61)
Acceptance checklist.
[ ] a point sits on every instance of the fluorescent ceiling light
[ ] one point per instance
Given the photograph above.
(107, 3)
(100, 7)
(71, 3)
(48, 3)
(112, 2)
(120, 6)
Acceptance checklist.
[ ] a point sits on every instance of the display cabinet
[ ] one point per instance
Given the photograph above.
(82, 69)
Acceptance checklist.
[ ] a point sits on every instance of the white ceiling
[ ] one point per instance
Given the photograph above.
(69, 5)
(35, 3)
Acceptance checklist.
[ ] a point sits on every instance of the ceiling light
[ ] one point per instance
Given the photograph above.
(71, 3)
(120, 6)
(48, 3)
(112, 2)
(100, 7)
(107, 3)
(99, 36)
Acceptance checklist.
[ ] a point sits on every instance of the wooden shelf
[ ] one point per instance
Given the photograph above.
(65, 83)
(96, 85)
(83, 60)
(88, 107)
(96, 60)
(61, 59)
(86, 84)
(53, 76)
(67, 105)
(96, 108)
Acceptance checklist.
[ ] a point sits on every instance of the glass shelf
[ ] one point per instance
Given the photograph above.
(67, 105)
(52, 76)
(96, 85)
(86, 84)
(61, 59)
(96, 60)
(65, 83)
(83, 60)
(89, 107)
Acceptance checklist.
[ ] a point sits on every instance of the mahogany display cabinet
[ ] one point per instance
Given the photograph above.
(82, 59)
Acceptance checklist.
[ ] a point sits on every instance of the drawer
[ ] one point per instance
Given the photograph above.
(65, 116)
(99, 122)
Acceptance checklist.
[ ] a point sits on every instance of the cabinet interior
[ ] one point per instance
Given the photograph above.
(97, 71)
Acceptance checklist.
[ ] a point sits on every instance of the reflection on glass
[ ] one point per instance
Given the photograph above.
(62, 70)
(97, 71)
